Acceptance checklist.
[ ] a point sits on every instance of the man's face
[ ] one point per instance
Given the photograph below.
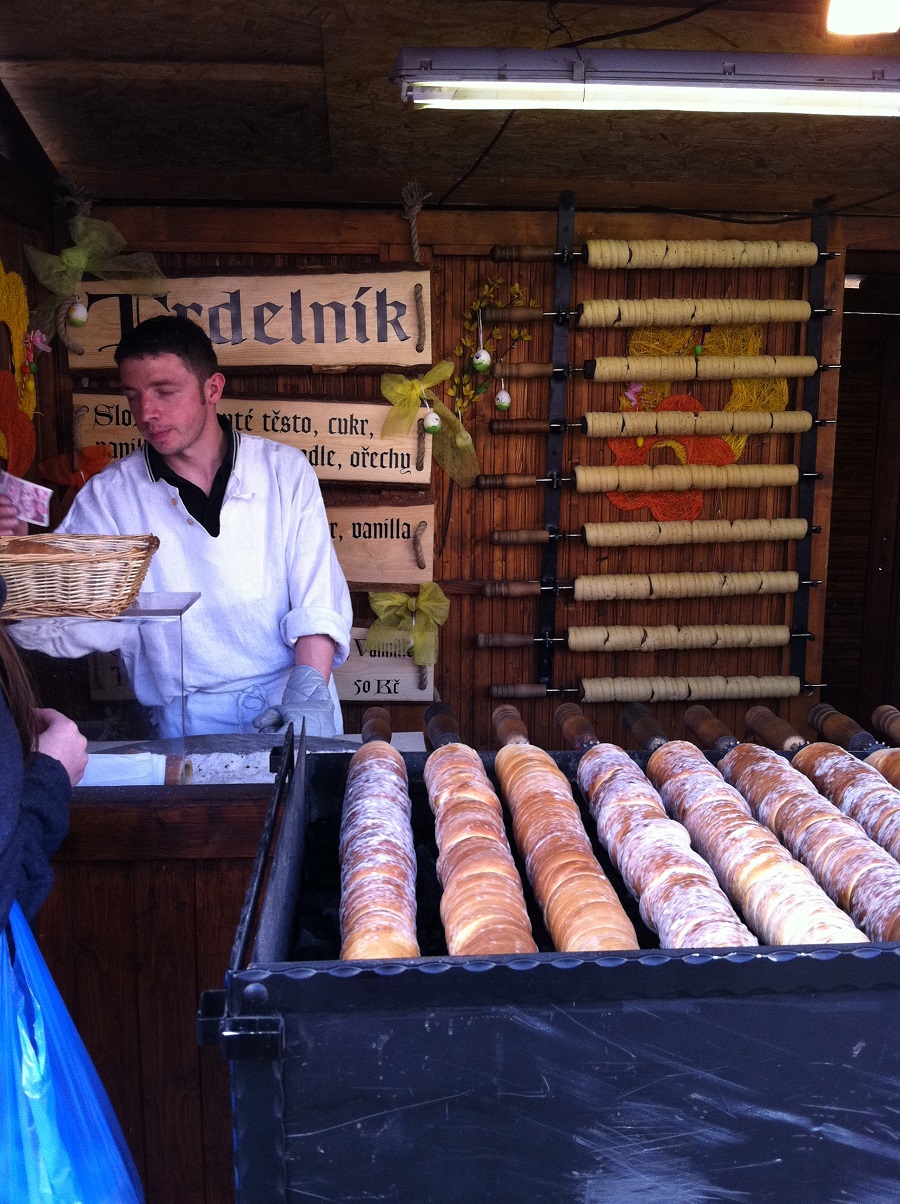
(170, 407)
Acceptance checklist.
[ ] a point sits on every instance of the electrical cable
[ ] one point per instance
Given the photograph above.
(627, 33)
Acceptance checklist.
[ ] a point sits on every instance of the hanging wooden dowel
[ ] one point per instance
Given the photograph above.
(683, 585)
(689, 312)
(651, 534)
(684, 689)
(650, 639)
(641, 478)
(679, 477)
(607, 254)
(659, 311)
(681, 531)
(647, 423)
(616, 586)
(618, 368)
(698, 367)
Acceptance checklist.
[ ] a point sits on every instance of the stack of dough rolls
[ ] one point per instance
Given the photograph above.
(482, 908)
(581, 910)
(688, 311)
(610, 253)
(777, 896)
(678, 894)
(859, 790)
(858, 875)
(887, 762)
(679, 477)
(378, 861)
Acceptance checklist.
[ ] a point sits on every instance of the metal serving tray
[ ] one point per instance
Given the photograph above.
(688, 1077)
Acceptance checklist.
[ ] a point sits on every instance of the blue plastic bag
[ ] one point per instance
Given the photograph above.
(60, 1140)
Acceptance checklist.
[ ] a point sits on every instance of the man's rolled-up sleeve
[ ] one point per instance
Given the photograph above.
(319, 598)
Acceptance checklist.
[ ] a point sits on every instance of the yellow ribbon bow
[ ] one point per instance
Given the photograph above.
(97, 252)
(406, 396)
(407, 621)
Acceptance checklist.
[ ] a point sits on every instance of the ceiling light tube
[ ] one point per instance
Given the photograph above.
(683, 81)
(863, 16)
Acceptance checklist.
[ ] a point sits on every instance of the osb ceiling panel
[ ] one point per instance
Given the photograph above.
(290, 102)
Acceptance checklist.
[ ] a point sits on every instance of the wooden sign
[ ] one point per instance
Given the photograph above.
(382, 677)
(339, 438)
(333, 320)
(383, 544)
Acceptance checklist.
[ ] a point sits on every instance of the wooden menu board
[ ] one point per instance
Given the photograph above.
(340, 439)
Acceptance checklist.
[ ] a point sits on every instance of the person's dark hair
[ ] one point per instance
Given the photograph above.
(170, 335)
(20, 697)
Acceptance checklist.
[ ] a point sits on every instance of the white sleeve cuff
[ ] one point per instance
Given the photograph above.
(317, 620)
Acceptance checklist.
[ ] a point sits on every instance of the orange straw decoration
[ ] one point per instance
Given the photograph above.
(689, 449)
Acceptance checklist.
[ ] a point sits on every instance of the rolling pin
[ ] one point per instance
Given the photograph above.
(509, 725)
(643, 727)
(711, 732)
(576, 728)
(839, 729)
(376, 725)
(887, 720)
(441, 725)
(772, 731)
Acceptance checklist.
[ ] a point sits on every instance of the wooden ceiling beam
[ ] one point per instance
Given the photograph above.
(32, 73)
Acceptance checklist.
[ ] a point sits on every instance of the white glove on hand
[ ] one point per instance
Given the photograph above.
(306, 697)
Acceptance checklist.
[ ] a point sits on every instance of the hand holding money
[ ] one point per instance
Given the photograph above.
(10, 523)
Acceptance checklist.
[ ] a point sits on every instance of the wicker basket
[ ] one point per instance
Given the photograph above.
(90, 576)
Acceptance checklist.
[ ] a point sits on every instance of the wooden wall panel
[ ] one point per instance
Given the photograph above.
(457, 246)
(141, 919)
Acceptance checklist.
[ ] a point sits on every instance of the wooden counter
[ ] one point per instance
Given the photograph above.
(149, 887)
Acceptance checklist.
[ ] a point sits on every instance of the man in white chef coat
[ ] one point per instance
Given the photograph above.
(241, 520)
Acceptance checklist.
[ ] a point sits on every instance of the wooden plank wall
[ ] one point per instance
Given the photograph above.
(457, 248)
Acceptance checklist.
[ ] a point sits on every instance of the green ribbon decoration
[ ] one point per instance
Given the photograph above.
(97, 252)
(406, 621)
(406, 396)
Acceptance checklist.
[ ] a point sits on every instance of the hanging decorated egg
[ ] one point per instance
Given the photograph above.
(77, 314)
(481, 360)
(431, 422)
(503, 400)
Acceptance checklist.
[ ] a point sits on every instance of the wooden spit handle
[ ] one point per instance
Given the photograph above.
(773, 731)
(441, 725)
(711, 732)
(519, 689)
(503, 639)
(511, 589)
(577, 730)
(519, 538)
(643, 726)
(509, 725)
(519, 426)
(521, 254)
(505, 480)
(887, 720)
(376, 725)
(512, 313)
(522, 371)
(838, 728)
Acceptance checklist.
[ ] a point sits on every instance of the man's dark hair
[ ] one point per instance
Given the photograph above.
(170, 335)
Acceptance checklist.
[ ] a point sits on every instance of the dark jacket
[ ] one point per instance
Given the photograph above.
(34, 817)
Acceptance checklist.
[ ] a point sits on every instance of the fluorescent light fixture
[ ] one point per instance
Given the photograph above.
(684, 81)
(863, 16)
